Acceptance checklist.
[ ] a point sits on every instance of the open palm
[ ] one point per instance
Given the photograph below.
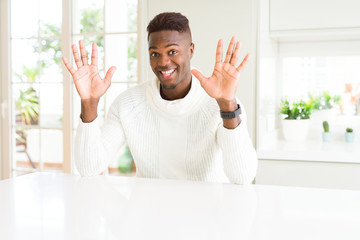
(222, 84)
(87, 80)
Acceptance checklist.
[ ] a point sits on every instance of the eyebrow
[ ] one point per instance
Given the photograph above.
(169, 45)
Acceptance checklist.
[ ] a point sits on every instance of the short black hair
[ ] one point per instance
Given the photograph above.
(172, 21)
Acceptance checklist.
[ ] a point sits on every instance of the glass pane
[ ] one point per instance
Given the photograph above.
(26, 148)
(88, 40)
(50, 17)
(25, 61)
(51, 63)
(120, 16)
(121, 51)
(52, 149)
(88, 16)
(51, 105)
(26, 104)
(335, 78)
(24, 18)
(114, 91)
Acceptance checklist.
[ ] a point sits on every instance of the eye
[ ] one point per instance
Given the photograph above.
(154, 54)
(172, 52)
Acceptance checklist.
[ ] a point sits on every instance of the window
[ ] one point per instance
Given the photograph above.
(38, 110)
(312, 73)
(323, 73)
(36, 86)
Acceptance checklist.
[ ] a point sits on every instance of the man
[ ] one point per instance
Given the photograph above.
(181, 125)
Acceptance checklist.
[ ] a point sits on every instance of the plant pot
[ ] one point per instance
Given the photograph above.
(295, 130)
(349, 137)
(326, 136)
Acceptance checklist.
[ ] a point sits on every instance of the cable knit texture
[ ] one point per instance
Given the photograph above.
(180, 139)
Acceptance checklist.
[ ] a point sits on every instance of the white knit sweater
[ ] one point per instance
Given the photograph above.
(180, 139)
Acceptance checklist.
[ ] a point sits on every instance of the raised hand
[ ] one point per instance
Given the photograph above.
(87, 80)
(222, 84)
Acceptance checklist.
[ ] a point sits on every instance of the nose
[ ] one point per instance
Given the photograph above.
(164, 60)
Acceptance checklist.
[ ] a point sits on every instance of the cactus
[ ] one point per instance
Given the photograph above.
(349, 130)
(326, 126)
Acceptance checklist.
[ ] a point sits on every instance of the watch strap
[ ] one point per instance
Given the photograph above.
(230, 115)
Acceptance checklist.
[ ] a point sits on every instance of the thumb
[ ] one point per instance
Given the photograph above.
(109, 74)
(199, 76)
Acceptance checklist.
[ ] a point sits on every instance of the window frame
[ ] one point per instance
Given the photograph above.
(5, 90)
(6, 169)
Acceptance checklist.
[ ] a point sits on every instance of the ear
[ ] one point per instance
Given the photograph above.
(192, 46)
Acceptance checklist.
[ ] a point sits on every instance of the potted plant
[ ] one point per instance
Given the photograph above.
(296, 116)
(126, 161)
(323, 105)
(27, 106)
(27, 109)
(326, 134)
(349, 135)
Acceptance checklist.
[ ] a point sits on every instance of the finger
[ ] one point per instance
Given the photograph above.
(83, 53)
(94, 55)
(235, 56)
(68, 66)
(109, 74)
(199, 76)
(230, 50)
(76, 56)
(219, 51)
(243, 63)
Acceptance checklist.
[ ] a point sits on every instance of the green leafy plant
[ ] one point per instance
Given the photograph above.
(324, 101)
(326, 126)
(51, 46)
(28, 74)
(20, 137)
(27, 103)
(295, 110)
(349, 130)
(28, 106)
(92, 21)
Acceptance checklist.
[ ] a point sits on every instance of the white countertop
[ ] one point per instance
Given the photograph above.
(272, 147)
(59, 206)
(313, 151)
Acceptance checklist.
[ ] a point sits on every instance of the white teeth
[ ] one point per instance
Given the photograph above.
(168, 72)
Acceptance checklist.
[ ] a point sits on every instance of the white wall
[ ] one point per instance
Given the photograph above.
(314, 20)
(211, 20)
(310, 14)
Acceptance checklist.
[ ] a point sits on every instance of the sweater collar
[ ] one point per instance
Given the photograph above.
(182, 106)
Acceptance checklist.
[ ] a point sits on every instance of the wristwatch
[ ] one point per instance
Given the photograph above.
(230, 115)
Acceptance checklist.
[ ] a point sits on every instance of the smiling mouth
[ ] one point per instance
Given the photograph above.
(167, 74)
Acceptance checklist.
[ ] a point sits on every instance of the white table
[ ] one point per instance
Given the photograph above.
(59, 206)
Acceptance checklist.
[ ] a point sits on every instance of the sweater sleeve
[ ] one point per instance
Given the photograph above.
(239, 156)
(95, 146)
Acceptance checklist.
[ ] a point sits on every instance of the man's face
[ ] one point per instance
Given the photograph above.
(170, 53)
